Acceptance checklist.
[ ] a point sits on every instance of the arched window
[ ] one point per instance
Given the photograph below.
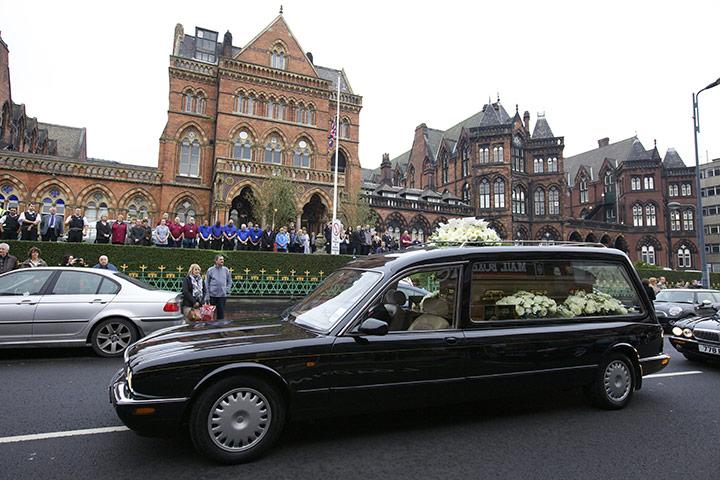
(647, 254)
(96, 208)
(635, 183)
(584, 196)
(499, 193)
(649, 183)
(242, 148)
(137, 208)
(302, 155)
(411, 176)
(517, 154)
(675, 220)
(466, 193)
(273, 151)
(278, 59)
(465, 161)
(190, 157)
(554, 201)
(608, 181)
(484, 193)
(637, 215)
(498, 154)
(341, 164)
(552, 164)
(518, 200)
(683, 256)
(484, 155)
(688, 220)
(344, 129)
(686, 189)
(539, 201)
(650, 216)
(185, 211)
(538, 165)
(200, 104)
(445, 168)
(187, 100)
(673, 190)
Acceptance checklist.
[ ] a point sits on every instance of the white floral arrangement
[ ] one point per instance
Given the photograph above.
(529, 305)
(582, 303)
(462, 230)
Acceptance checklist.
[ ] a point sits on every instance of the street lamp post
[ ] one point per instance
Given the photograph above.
(701, 223)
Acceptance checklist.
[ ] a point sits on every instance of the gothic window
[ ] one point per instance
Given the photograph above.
(273, 151)
(445, 168)
(499, 193)
(465, 161)
(637, 211)
(635, 183)
(610, 215)
(518, 200)
(517, 154)
(187, 102)
(554, 201)
(673, 190)
(608, 181)
(302, 155)
(675, 221)
(498, 154)
(278, 59)
(137, 208)
(190, 157)
(650, 215)
(649, 183)
(647, 254)
(344, 129)
(96, 208)
(484, 193)
(584, 196)
(243, 148)
(200, 104)
(688, 220)
(238, 103)
(466, 193)
(411, 176)
(539, 201)
(185, 211)
(686, 190)
(683, 256)
(484, 155)
(538, 165)
(552, 164)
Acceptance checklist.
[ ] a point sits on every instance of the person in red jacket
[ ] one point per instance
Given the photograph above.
(190, 231)
(405, 240)
(176, 233)
(119, 231)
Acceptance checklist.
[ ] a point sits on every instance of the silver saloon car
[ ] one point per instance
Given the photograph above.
(65, 306)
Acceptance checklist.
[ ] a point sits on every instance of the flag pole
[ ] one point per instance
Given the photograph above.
(335, 228)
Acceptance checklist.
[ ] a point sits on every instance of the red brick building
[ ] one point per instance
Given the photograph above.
(237, 116)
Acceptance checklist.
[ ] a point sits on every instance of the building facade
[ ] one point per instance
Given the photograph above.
(237, 117)
(710, 190)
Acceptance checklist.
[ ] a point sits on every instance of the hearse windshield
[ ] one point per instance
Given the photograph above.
(333, 298)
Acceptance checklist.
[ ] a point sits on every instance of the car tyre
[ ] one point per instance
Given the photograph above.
(237, 419)
(111, 337)
(614, 383)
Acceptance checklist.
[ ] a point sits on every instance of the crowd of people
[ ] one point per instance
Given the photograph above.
(173, 233)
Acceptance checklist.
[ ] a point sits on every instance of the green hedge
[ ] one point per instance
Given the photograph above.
(152, 258)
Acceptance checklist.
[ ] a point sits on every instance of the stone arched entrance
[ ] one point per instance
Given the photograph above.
(241, 210)
(314, 215)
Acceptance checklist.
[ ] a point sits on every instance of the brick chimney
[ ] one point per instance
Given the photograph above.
(386, 170)
(603, 142)
(227, 44)
(526, 120)
(178, 38)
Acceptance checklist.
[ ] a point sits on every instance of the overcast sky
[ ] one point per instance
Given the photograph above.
(597, 69)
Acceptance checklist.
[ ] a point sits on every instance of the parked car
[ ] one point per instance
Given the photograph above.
(673, 304)
(65, 306)
(698, 338)
(494, 319)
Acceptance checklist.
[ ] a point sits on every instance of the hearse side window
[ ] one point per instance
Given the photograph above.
(532, 289)
(421, 300)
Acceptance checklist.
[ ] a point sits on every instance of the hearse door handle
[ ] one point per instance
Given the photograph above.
(27, 302)
(451, 340)
(98, 300)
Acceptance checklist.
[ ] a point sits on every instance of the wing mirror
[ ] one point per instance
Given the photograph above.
(373, 326)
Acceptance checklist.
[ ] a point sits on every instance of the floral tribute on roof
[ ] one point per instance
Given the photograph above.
(465, 230)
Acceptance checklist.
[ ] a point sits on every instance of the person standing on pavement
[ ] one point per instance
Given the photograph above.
(176, 233)
(7, 262)
(29, 220)
(51, 226)
(193, 290)
(255, 235)
(267, 239)
(217, 236)
(103, 231)
(189, 233)
(118, 231)
(217, 285)
(77, 226)
(205, 234)
(10, 225)
(366, 240)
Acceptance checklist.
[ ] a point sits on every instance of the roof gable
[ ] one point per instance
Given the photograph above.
(258, 49)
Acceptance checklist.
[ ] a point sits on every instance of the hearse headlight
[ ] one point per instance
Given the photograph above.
(677, 331)
(674, 311)
(687, 333)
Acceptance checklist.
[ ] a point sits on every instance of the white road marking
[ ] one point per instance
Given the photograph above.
(69, 433)
(673, 374)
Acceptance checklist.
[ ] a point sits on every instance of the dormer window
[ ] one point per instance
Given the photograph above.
(278, 59)
(205, 44)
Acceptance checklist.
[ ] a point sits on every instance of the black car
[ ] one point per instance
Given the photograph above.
(698, 338)
(676, 304)
(494, 319)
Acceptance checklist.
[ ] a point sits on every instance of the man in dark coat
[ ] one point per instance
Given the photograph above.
(328, 237)
(268, 239)
(51, 226)
(7, 262)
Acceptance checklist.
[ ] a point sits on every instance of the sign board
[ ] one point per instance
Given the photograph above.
(336, 229)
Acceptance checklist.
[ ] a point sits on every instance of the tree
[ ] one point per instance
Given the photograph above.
(277, 202)
(354, 211)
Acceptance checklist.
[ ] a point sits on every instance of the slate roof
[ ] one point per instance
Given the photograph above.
(331, 75)
(542, 128)
(672, 159)
(619, 151)
(70, 140)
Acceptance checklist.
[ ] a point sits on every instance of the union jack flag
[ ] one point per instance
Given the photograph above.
(332, 136)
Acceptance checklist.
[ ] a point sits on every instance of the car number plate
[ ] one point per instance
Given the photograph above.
(709, 349)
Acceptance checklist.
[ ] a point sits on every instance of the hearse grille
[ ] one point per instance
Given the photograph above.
(708, 335)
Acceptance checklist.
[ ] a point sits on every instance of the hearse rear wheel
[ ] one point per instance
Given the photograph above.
(237, 419)
(614, 383)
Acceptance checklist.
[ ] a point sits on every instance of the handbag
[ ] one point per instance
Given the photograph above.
(207, 312)
(194, 315)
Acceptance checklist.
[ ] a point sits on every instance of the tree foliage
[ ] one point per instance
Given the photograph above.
(276, 202)
(354, 210)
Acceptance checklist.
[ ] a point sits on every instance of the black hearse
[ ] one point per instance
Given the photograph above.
(495, 319)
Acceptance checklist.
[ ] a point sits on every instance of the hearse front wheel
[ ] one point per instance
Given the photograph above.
(237, 419)
(614, 383)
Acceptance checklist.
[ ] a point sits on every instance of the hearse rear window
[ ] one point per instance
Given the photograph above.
(512, 290)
